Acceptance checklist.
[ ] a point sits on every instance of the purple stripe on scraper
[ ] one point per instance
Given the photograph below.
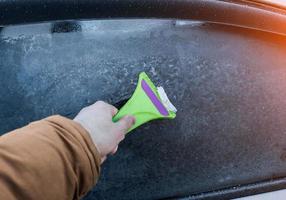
(157, 103)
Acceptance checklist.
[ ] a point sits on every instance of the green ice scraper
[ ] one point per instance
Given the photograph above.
(147, 103)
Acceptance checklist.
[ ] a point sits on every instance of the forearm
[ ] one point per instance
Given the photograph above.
(54, 158)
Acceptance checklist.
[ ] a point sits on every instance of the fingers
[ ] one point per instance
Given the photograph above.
(114, 150)
(107, 107)
(113, 111)
(124, 124)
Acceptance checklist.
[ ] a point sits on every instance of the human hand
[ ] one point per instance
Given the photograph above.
(106, 135)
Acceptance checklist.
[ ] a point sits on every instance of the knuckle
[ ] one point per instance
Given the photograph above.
(100, 102)
(114, 110)
(83, 109)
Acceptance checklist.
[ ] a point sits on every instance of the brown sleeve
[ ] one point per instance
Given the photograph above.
(54, 158)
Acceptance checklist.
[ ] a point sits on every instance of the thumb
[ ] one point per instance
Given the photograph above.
(125, 123)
